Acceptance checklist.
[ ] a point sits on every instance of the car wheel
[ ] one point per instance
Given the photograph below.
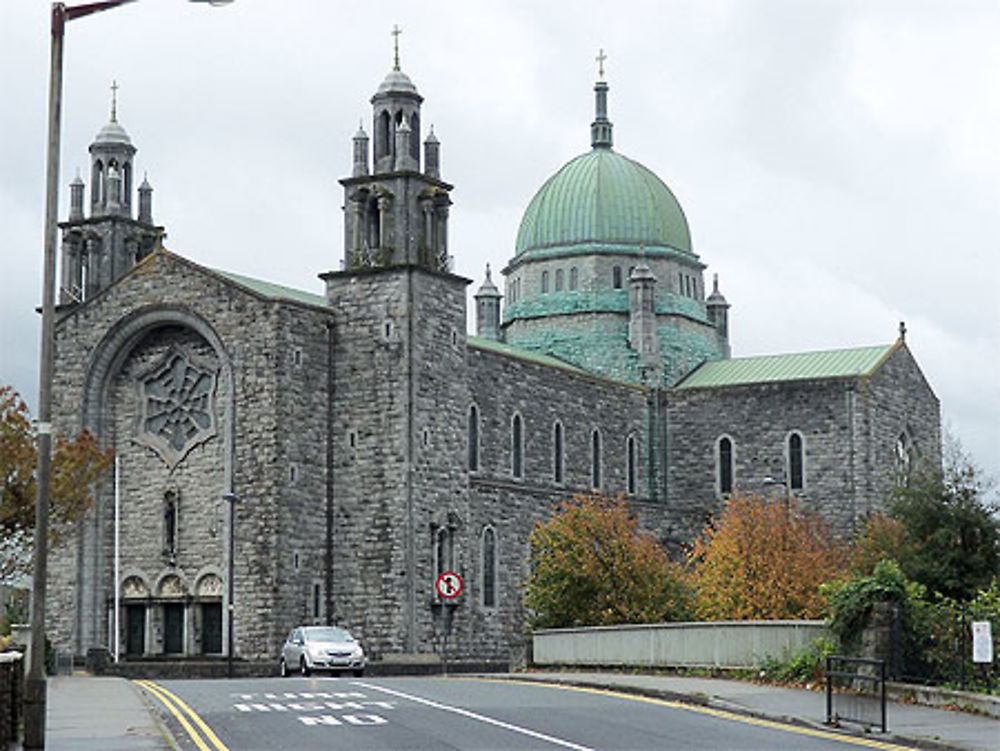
(303, 668)
(283, 667)
(359, 672)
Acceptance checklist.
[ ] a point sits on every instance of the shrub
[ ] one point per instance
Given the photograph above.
(763, 559)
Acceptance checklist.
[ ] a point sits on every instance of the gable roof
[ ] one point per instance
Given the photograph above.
(273, 291)
(797, 366)
(530, 355)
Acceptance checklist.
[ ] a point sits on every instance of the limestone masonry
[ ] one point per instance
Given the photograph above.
(368, 443)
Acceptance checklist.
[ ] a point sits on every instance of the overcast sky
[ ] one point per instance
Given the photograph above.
(838, 162)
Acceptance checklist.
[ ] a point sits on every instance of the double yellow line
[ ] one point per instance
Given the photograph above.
(186, 716)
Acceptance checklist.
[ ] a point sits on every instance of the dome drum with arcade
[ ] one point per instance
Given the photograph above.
(584, 234)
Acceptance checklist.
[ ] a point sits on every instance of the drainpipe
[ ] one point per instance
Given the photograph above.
(411, 557)
(328, 558)
(851, 484)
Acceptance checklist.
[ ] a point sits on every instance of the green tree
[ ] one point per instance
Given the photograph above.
(763, 558)
(951, 534)
(591, 566)
(77, 464)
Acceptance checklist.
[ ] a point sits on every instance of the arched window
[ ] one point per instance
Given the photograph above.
(559, 280)
(473, 439)
(382, 147)
(616, 277)
(595, 459)
(170, 524)
(489, 567)
(545, 282)
(574, 280)
(97, 184)
(557, 452)
(517, 447)
(903, 459)
(796, 462)
(444, 551)
(724, 465)
(414, 121)
(632, 470)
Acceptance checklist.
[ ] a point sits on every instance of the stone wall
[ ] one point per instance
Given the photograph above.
(849, 428)
(105, 350)
(758, 420)
(503, 385)
(399, 373)
(896, 399)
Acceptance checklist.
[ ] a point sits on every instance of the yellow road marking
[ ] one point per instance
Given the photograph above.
(178, 709)
(722, 714)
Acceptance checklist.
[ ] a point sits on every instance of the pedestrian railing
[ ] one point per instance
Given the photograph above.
(855, 691)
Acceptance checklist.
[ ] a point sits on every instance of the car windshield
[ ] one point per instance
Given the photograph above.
(326, 633)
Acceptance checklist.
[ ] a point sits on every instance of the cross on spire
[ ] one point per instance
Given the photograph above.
(396, 31)
(114, 101)
(601, 57)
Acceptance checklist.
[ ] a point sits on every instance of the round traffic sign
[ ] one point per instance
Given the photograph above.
(449, 585)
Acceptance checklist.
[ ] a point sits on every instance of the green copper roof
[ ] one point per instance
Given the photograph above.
(841, 363)
(521, 354)
(602, 197)
(274, 291)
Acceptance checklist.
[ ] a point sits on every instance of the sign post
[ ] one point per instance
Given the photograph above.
(448, 586)
(982, 648)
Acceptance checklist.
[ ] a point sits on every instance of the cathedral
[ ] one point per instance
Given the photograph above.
(353, 445)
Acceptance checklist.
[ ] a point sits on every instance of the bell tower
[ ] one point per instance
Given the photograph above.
(396, 213)
(99, 248)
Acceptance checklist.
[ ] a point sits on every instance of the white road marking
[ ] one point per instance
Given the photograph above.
(477, 716)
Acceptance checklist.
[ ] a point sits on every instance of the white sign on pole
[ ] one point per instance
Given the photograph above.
(982, 642)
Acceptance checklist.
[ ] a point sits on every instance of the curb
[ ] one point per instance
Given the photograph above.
(712, 702)
(154, 714)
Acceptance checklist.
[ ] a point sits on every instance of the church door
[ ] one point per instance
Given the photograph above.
(211, 628)
(135, 630)
(173, 628)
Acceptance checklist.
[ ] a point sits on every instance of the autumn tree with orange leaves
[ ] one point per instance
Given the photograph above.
(590, 566)
(762, 559)
(77, 464)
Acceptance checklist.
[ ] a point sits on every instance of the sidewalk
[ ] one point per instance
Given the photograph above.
(906, 722)
(89, 713)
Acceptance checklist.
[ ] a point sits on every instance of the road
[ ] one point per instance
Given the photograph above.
(467, 714)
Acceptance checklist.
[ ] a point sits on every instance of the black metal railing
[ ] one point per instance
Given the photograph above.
(855, 691)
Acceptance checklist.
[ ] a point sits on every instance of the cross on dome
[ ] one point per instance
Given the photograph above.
(601, 57)
(396, 31)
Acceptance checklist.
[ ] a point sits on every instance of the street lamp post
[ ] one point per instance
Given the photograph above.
(232, 499)
(34, 684)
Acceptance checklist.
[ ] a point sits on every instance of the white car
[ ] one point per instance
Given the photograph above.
(332, 648)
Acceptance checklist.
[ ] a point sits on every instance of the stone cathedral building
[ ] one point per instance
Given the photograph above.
(374, 444)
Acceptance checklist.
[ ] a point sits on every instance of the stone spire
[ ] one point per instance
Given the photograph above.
(396, 100)
(98, 249)
(404, 157)
(488, 310)
(432, 155)
(396, 214)
(145, 201)
(643, 336)
(717, 310)
(76, 197)
(360, 152)
(600, 129)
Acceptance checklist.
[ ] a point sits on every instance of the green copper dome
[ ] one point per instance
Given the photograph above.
(603, 201)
